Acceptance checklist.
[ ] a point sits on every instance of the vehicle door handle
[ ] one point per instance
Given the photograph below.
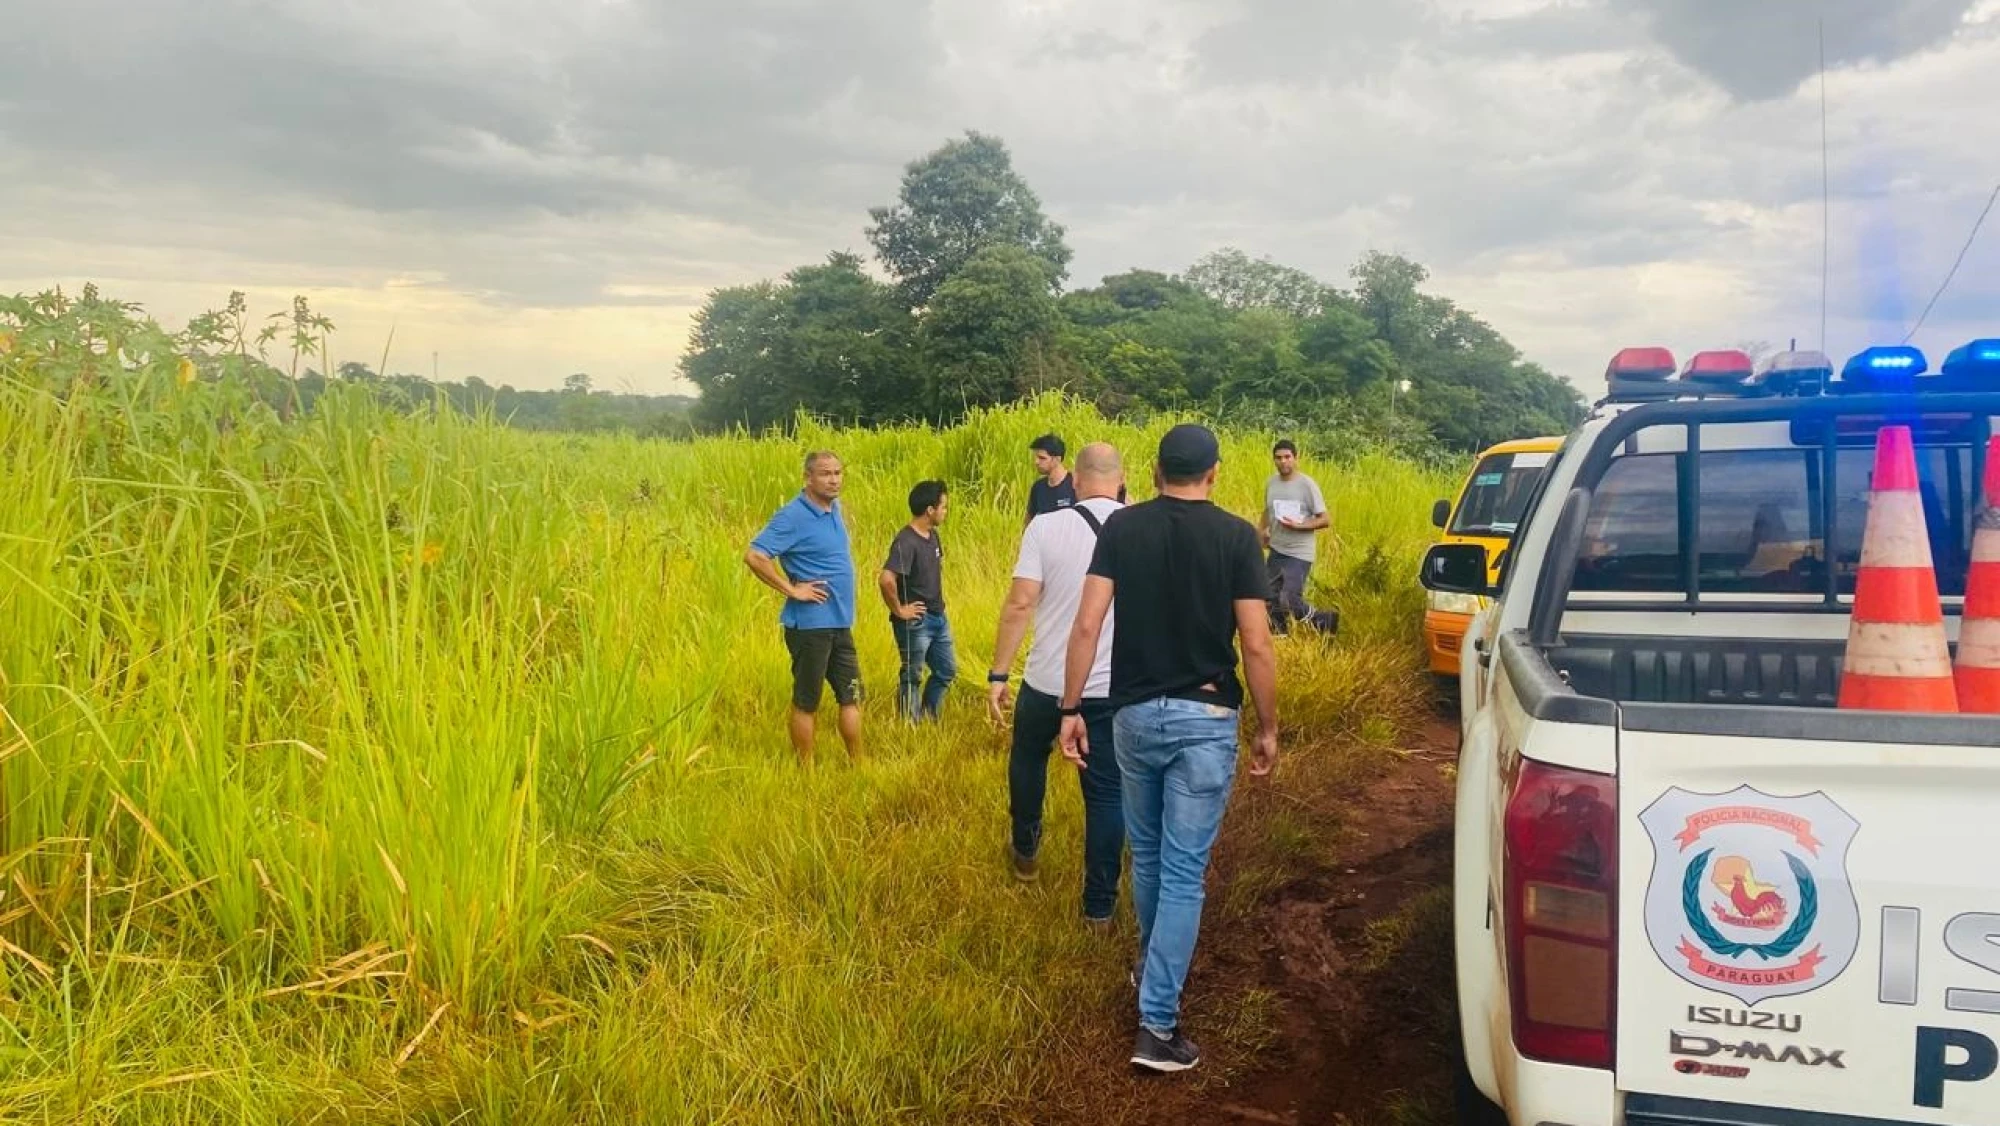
(1479, 647)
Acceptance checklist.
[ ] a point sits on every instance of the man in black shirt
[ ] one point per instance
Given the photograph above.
(912, 584)
(1055, 489)
(1185, 580)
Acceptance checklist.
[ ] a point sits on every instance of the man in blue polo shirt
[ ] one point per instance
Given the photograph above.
(808, 537)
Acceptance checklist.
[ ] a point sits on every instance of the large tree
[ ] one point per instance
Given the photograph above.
(1468, 383)
(954, 203)
(1241, 282)
(830, 340)
(735, 356)
(990, 332)
(849, 350)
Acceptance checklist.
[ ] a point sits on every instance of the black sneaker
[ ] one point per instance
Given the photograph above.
(1174, 1053)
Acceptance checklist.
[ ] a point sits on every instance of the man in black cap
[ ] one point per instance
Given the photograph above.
(1187, 582)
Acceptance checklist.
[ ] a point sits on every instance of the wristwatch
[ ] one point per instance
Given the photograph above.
(996, 678)
(1070, 711)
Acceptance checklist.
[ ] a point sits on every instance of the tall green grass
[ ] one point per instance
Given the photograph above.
(384, 767)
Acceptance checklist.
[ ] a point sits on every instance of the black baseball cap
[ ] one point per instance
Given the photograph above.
(1188, 450)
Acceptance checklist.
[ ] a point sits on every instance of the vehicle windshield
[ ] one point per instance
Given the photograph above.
(1498, 495)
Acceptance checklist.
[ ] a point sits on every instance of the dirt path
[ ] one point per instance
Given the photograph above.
(1361, 1011)
(1329, 1001)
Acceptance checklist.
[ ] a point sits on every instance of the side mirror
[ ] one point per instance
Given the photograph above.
(1441, 513)
(1455, 568)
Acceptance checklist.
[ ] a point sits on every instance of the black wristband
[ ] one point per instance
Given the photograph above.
(1067, 712)
(996, 678)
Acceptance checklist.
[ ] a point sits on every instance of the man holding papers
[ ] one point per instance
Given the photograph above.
(1294, 510)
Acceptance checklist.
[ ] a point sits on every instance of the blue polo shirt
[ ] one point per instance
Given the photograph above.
(811, 545)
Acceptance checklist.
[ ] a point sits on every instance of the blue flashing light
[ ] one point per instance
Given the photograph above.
(1890, 368)
(1979, 359)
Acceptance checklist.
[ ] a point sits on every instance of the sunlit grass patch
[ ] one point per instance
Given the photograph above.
(371, 767)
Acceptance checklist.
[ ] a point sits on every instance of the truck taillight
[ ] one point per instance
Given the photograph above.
(1562, 913)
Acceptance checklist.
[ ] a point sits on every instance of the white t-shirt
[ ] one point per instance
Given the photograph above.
(1056, 551)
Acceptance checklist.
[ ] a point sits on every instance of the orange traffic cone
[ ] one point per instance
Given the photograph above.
(1897, 656)
(1978, 668)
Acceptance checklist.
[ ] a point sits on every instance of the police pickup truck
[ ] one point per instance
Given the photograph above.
(1688, 887)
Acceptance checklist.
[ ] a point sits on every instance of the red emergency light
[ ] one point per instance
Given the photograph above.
(1725, 365)
(1641, 364)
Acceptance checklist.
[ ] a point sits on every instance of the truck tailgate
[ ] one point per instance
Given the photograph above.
(1810, 925)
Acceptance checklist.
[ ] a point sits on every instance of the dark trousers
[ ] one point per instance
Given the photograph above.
(1288, 589)
(1037, 722)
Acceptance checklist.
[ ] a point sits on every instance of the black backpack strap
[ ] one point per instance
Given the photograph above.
(1089, 517)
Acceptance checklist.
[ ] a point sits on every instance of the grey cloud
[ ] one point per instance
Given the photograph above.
(251, 96)
(1757, 50)
(688, 135)
(702, 105)
(1555, 31)
(552, 152)
(1091, 46)
(1330, 42)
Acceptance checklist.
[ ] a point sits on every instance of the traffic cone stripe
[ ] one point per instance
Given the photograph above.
(1897, 649)
(1897, 657)
(1978, 669)
(1979, 643)
(1982, 588)
(1978, 691)
(1897, 693)
(1895, 461)
(1897, 594)
(1986, 548)
(1895, 535)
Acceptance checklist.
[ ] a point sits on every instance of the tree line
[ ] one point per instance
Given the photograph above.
(973, 314)
(64, 341)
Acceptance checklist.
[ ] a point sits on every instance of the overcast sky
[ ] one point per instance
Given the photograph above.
(533, 187)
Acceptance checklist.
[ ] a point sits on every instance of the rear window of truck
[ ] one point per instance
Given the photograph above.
(1760, 521)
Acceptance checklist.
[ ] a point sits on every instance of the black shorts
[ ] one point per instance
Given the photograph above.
(821, 657)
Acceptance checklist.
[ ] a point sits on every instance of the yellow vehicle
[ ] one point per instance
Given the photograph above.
(1490, 504)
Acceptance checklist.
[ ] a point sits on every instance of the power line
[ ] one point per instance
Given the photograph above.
(1976, 223)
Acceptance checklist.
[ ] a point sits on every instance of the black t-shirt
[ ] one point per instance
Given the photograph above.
(920, 562)
(1044, 497)
(1178, 567)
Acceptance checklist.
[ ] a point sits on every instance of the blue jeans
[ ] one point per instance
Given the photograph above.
(925, 643)
(1178, 761)
(1037, 722)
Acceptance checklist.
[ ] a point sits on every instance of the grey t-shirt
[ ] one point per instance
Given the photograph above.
(918, 563)
(1299, 498)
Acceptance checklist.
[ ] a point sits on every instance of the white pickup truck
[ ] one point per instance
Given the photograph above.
(1689, 889)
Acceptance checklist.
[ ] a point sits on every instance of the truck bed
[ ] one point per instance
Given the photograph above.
(1701, 670)
(1767, 689)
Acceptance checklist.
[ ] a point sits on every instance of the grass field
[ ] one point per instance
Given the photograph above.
(373, 768)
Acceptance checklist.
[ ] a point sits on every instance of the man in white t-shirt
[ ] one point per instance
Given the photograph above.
(1048, 583)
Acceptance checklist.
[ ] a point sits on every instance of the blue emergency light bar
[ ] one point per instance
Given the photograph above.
(1979, 359)
(1890, 368)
